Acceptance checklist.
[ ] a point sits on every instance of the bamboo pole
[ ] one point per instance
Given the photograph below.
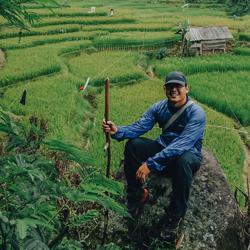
(108, 150)
(106, 116)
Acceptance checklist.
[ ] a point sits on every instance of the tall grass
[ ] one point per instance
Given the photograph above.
(26, 64)
(244, 37)
(242, 51)
(136, 38)
(72, 14)
(82, 21)
(118, 66)
(56, 99)
(220, 63)
(226, 92)
(32, 41)
(127, 104)
(47, 30)
(143, 27)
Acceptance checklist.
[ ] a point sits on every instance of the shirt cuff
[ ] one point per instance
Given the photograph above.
(118, 135)
(152, 165)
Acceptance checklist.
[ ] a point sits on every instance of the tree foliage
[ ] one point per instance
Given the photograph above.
(16, 11)
(238, 7)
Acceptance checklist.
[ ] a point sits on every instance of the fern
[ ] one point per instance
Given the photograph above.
(86, 217)
(30, 189)
(73, 153)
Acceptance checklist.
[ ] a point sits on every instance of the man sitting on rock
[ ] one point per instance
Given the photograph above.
(175, 153)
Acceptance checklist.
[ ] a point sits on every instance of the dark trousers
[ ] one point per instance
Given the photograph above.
(180, 169)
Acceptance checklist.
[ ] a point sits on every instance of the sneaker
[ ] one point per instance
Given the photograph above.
(135, 206)
(171, 230)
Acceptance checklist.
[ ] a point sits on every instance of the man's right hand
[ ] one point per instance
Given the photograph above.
(109, 127)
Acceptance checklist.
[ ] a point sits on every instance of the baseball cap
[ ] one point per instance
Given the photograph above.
(176, 77)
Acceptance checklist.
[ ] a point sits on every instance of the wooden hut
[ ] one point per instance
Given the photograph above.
(200, 40)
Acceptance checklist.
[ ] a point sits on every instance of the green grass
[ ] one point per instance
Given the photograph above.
(28, 63)
(8, 32)
(224, 143)
(136, 38)
(242, 51)
(56, 99)
(82, 21)
(144, 27)
(72, 14)
(118, 66)
(220, 63)
(33, 41)
(226, 92)
(244, 37)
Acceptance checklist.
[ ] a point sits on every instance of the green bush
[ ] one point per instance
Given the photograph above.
(42, 204)
(242, 51)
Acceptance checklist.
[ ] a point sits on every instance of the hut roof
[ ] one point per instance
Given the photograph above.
(208, 33)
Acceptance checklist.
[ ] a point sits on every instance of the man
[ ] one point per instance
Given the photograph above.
(176, 152)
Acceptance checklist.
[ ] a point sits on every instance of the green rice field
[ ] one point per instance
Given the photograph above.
(68, 45)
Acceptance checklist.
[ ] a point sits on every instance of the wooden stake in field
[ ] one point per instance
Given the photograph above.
(106, 116)
(108, 150)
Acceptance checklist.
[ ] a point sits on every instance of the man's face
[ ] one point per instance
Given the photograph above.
(176, 93)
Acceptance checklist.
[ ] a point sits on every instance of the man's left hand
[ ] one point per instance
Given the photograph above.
(142, 172)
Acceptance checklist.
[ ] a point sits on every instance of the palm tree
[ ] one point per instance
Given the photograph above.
(17, 13)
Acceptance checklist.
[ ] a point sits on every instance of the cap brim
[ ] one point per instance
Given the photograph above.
(176, 81)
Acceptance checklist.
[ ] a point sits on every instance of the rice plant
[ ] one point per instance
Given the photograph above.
(56, 99)
(226, 92)
(244, 37)
(26, 42)
(219, 63)
(144, 39)
(118, 66)
(9, 32)
(242, 51)
(20, 67)
(41, 60)
(82, 21)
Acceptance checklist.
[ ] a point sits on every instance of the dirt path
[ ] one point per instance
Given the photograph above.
(246, 167)
(2, 59)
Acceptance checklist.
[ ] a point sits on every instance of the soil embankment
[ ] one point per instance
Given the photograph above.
(246, 167)
(2, 59)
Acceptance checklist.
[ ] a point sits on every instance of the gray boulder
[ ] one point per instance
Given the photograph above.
(212, 221)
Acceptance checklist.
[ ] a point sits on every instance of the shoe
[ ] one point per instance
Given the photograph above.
(171, 230)
(135, 206)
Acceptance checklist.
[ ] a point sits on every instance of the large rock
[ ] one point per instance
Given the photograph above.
(212, 221)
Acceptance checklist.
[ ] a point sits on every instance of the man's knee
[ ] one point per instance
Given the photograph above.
(187, 164)
(132, 145)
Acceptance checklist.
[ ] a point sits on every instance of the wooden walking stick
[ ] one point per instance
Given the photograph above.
(108, 150)
(106, 116)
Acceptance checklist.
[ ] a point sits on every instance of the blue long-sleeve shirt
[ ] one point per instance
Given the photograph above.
(185, 134)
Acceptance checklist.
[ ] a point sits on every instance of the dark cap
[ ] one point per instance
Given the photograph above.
(176, 77)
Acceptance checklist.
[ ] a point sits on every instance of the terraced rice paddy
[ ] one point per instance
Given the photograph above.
(63, 42)
(95, 65)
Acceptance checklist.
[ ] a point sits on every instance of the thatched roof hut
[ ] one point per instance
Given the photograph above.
(206, 39)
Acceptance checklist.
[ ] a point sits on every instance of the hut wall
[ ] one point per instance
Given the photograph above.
(213, 45)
